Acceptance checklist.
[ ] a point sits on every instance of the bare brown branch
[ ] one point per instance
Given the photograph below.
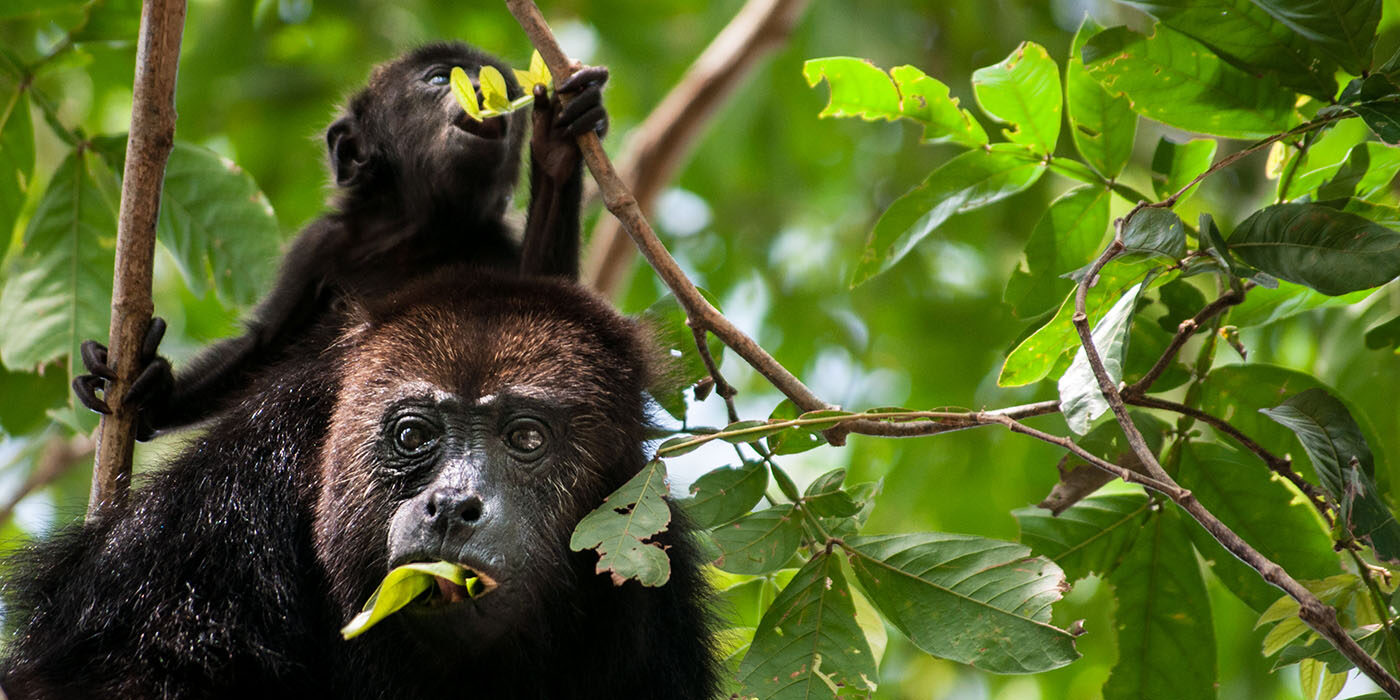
(658, 147)
(619, 200)
(147, 149)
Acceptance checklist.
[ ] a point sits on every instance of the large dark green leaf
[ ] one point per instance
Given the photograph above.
(725, 494)
(1024, 91)
(860, 89)
(1089, 538)
(977, 601)
(974, 179)
(58, 287)
(1102, 125)
(1034, 357)
(1239, 392)
(1332, 251)
(1166, 640)
(759, 542)
(809, 644)
(621, 529)
(1244, 34)
(217, 224)
(1068, 236)
(1344, 466)
(1239, 489)
(1081, 400)
(1173, 79)
(1156, 231)
(16, 156)
(1343, 29)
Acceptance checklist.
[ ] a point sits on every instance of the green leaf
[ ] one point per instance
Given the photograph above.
(1081, 400)
(793, 440)
(1068, 236)
(1344, 465)
(1248, 37)
(1166, 639)
(825, 498)
(1239, 489)
(969, 181)
(925, 100)
(28, 398)
(58, 287)
(621, 527)
(1371, 638)
(1381, 114)
(1366, 173)
(1264, 306)
(860, 89)
(1156, 231)
(16, 157)
(1102, 125)
(1089, 538)
(1238, 392)
(1023, 90)
(809, 644)
(400, 587)
(759, 542)
(969, 599)
(1331, 251)
(1174, 165)
(1036, 356)
(217, 224)
(494, 95)
(1175, 80)
(1345, 30)
(725, 494)
(1317, 682)
(464, 92)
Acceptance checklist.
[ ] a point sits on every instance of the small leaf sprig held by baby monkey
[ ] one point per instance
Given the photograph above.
(494, 100)
(406, 583)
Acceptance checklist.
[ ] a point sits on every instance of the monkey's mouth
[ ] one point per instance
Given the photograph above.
(448, 592)
(492, 128)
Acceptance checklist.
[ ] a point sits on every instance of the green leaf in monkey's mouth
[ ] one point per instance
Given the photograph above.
(439, 581)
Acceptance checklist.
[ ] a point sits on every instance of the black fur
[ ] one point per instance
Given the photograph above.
(420, 186)
(233, 569)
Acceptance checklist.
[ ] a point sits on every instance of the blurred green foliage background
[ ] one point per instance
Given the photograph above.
(769, 215)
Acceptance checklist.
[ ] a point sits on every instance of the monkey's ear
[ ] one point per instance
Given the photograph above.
(348, 156)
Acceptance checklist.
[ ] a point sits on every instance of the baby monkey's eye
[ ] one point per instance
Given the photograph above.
(439, 78)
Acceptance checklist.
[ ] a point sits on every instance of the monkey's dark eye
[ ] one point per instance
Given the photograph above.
(438, 79)
(527, 436)
(413, 435)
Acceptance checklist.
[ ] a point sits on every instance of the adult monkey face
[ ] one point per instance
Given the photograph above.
(484, 451)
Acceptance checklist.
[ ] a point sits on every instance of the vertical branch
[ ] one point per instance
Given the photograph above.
(658, 147)
(147, 149)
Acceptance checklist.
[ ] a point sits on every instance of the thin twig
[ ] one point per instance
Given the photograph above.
(1184, 332)
(725, 390)
(148, 146)
(658, 147)
(699, 313)
(1171, 490)
(1378, 602)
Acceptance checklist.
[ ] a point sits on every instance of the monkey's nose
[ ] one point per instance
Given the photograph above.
(448, 505)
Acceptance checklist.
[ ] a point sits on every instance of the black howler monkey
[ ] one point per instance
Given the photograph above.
(469, 416)
(420, 185)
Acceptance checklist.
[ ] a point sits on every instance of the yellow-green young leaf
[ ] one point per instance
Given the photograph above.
(538, 74)
(464, 92)
(1283, 634)
(400, 587)
(493, 89)
(860, 89)
(1317, 682)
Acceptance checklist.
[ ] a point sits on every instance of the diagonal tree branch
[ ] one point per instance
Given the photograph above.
(147, 149)
(661, 144)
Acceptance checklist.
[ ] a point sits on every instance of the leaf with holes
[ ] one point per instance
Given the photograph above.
(1023, 91)
(861, 89)
(974, 600)
(810, 644)
(1102, 125)
(621, 528)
